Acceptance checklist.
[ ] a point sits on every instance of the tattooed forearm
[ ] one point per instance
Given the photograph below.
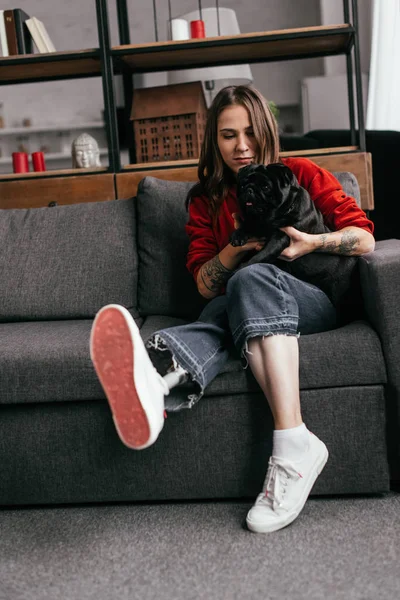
(339, 242)
(214, 275)
(349, 243)
(326, 245)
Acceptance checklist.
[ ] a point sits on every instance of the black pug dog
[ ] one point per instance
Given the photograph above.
(270, 197)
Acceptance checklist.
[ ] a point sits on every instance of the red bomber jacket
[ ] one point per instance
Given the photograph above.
(338, 211)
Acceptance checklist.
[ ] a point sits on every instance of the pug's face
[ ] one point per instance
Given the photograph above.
(265, 191)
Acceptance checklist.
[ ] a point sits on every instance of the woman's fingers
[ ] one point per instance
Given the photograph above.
(255, 244)
(236, 220)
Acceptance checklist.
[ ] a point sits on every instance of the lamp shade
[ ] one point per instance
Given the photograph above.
(228, 25)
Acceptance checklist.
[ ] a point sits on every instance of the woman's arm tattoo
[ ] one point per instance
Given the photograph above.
(346, 244)
(214, 274)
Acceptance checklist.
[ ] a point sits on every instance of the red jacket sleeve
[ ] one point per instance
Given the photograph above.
(202, 243)
(338, 210)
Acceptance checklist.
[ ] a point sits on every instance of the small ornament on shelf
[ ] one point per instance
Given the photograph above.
(20, 162)
(85, 152)
(197, 27)
(179, 29)
(38, 161)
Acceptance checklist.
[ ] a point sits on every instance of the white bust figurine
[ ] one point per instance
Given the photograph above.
(85, 152)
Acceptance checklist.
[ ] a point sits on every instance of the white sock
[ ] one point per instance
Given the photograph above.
(290, 444)
(176, 377)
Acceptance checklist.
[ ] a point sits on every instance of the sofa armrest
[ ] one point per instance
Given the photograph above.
(380, 284)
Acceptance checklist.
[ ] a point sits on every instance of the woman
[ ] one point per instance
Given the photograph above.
(260, 308)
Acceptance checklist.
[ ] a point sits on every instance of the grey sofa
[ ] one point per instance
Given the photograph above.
(59, 265)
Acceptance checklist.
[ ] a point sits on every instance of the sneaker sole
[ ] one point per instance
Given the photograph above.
(318, 468)
(112, 353)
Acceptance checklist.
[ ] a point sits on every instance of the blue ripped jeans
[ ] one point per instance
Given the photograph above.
(260, 300)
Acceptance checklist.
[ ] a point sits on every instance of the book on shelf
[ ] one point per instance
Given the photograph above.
(40, 36)
(11, 33)
(15, 33)
(24, 38)
(3, 35)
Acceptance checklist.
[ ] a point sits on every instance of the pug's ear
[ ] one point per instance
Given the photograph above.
(288, 173)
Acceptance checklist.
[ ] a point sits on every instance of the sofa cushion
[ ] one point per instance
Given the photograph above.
(165, 286)
(67, 261)
(349, 183)
(49, 361)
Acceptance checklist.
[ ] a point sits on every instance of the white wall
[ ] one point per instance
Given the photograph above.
(332, 14)
(72, 25)
(325, 99)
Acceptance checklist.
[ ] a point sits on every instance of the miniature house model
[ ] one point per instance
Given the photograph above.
(169, 122)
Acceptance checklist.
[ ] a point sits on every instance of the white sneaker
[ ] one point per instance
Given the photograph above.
(288, 485)
(134, 389)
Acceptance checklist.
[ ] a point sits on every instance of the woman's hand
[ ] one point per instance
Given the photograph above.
(301, 243)
(349, 241)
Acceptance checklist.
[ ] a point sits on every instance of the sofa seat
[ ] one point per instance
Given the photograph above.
(47, 361)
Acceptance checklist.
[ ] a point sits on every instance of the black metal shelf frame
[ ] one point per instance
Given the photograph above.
(110, 112)
(350, 86)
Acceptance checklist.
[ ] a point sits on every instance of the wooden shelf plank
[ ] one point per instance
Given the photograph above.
(52, 173)
(50, 128)
(47, 67)
(320, 151)
(247, 47)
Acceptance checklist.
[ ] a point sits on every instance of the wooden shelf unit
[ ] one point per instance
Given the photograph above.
(285, 44)
(107, 61)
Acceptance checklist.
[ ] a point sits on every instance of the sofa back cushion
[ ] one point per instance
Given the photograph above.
(165, 287)
(67, 261)
(349, 183)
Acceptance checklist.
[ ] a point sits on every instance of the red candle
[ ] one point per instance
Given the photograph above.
(20, 162)
(197, 29)
(38, 161)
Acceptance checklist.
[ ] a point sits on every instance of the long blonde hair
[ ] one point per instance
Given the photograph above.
(215, 178)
